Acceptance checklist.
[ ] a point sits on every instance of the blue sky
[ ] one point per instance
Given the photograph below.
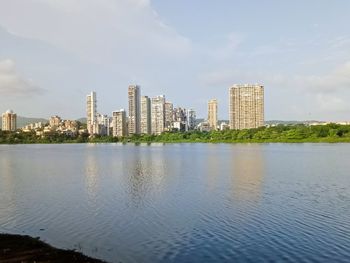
(53, 52)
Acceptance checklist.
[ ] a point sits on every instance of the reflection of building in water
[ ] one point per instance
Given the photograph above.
(91, 175)
(213, 166)
(144, 170)
(247, 173)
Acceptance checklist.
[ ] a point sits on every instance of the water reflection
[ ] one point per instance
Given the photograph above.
(91, 175)
(7, 192)
(144, 169)
(248, 173)
(181, 203)
(213, 167)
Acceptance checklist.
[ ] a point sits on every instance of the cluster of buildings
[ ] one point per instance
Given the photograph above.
(145, 116)
(156, 115)
(246, 109)
(55, 124)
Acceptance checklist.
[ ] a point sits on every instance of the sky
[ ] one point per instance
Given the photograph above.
(54, 52)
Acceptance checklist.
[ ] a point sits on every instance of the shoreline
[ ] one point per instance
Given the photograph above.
(23, 248)
(336, 141)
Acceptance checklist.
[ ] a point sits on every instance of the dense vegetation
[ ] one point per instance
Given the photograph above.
(280, 133)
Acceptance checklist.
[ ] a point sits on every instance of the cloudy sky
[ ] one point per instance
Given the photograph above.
(53, 52)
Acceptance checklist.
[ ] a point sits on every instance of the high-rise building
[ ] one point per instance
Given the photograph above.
(213, 114)
(180, 115)
(145, 115)
(168, 108)
(191, 119)
(9, 121)
(119, 122)
(180, 119)
(134, 109)
(158, 114)
(91, 112)
(246, 106)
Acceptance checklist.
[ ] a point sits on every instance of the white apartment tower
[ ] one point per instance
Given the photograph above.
(9, 121)
(134, 109)
(145, 115)
(91, 112)
(119, 122)
(213, 114)
(246, 106)
(158, 114)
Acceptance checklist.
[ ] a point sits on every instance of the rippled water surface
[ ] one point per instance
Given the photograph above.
(182, 202)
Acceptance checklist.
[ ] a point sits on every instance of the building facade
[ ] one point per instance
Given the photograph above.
(246, 106)
(168, 108)
(119, 122)
(191, 119)
(145, 115)
(103, 124)
(180, 119)
(91, 113)
(213, 114)
(9, 121)
(134, 109)
(158, 114)
(55, 121)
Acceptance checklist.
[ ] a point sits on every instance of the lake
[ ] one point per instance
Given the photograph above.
(181, 202)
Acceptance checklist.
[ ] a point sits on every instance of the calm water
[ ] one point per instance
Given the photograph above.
(182, 202)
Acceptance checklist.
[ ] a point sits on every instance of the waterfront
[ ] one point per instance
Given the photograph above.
(181, 202)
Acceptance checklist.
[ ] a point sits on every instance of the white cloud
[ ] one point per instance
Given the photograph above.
(336, 80)
(103, 31)
(12, 84)
(331, 103)
(324, 96)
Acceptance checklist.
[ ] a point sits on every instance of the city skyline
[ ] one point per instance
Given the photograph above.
(304, 64)
(156, 115)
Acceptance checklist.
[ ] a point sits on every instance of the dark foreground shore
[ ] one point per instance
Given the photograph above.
(16, 248)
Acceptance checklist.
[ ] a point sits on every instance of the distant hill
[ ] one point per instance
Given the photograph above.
(276, 122)
(273, 122)
(23, 121)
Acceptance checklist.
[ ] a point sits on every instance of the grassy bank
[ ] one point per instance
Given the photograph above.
(16, 248)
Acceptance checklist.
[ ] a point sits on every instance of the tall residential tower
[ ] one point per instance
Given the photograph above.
(145, 115)
(91, 112)
(158, 114)
(213, 114)
(191, 119)
(246, 106)
(134, 109)
(168, 118)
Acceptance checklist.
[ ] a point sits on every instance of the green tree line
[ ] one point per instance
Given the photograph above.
(279, 133)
